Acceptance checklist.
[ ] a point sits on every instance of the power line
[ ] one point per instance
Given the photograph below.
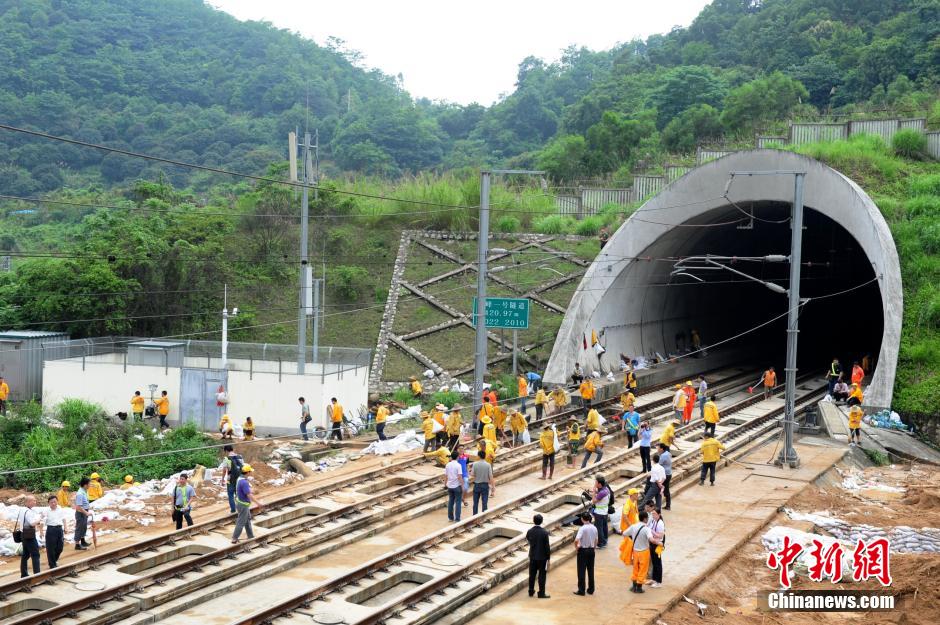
(218, 170)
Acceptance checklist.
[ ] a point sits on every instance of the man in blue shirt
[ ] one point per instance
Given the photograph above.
(243, 499)
(81, 506)
(535, 380)
(631, 425)
(646, 438)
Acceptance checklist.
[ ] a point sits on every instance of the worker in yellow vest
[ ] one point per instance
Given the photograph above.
(711, 454)
(163, 408)
(711, 415)
(95, 488)
(4, 395)
(63, 496)
(452, 427)
(129, 482)
(855, 426)
(489, 430)
(631, 512)
(547, 444)
(855, 396)
(678, 402)
(381, 417)
(574, 440)
(336, 419)
(593, 420)
(416, 389)
(427, 425)
(593, 445)
(560, 399)
(517, 425)
(627, 400)
(668, 437)
(540, 400)
(586, 389)
(248, 429)
(137, 406)
(440, 417)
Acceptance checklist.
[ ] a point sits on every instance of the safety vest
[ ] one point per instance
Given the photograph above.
(185, 498)
(832, 371)
(238, 499)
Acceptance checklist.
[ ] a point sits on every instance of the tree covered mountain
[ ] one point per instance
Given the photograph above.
(182, 80)
(179, 79)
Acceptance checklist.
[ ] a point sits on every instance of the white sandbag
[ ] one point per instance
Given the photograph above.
(429, 374)
(526, 437)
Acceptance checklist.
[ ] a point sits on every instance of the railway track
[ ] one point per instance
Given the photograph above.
(370, 488)
(299, 532)
(443, 573)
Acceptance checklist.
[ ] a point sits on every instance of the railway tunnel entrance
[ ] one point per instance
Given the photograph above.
(634, 295)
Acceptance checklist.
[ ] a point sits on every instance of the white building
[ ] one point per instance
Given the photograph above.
(260, 380)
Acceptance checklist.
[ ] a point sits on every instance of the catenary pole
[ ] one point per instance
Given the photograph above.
(304, 265)
(788, 454)
(479, 363)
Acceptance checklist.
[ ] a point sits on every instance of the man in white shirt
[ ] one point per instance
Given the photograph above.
(55, 531)
(453, 480)
(586, 542)
(702, 395)
(657, 478)
(678, 402)
(29, 523)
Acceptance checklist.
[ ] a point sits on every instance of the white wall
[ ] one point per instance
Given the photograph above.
(107, 384)
(268, 398)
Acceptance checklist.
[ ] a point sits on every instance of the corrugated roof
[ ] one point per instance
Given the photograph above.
(32, 334)
(157, 344)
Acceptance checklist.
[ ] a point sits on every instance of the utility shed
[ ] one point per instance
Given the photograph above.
(21, 359)
(156, 353)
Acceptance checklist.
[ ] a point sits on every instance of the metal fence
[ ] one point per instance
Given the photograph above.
(813, 132)
(646, 185)
(933, 144)
(705, 155)
(346, 357)
(582, 202)
(766, 141)
(674, 172)
(884, 128)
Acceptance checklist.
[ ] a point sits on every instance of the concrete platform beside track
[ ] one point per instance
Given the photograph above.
(706, 524)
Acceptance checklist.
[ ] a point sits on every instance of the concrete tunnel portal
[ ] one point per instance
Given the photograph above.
(850, 274)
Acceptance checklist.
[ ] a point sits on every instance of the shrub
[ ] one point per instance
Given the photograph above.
(589, 226)
(349, 281)
(553, 224)
(404, 396)
(909, 143)
(507, 223)
(448, 398)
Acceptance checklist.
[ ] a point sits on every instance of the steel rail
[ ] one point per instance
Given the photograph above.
(384, 562)
(302, 525)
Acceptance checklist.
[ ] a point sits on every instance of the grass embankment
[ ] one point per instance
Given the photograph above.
(78, 431)
(907, 191)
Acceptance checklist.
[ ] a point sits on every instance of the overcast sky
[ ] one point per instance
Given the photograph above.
(466, 52)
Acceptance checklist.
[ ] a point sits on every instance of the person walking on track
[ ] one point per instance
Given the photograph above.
(711, 454)
(381, 417)
(665, 461)
(336, 417)
(646, 440)
(855, 426)
(770, 381)
(702, 397)
(678, 402)
(55, 531)
(183, 495)
(453, 482)
(481, 474)
(305, 417)
(243, 499)
(593, 445)
(547, 443)
(710, 415)
(655, 485)
(540, 552)
(29, 524)
(82, 512)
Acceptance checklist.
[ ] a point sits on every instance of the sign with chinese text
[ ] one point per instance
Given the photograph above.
(505, 312)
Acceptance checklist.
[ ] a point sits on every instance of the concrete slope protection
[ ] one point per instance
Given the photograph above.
(630, 298)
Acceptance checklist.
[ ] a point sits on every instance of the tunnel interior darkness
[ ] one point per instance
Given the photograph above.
(846, 326)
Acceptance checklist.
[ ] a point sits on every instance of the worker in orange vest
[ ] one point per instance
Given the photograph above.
(689, 391)
(858, 374)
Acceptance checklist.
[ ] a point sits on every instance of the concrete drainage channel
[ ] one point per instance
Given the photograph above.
(288, 545)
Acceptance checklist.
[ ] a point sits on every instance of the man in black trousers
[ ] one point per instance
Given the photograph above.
(586, 542)
(540, 552)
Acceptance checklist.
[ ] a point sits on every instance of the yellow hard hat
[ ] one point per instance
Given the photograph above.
(246, 468)
(66, 484)
(225, 417)
(95, 476)
(486, 419)
(128, 478)
(633, 491)
(688, 382)
(678, 386)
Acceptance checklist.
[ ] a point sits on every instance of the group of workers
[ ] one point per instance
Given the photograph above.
(160, 407)
(853, 396)
(227, 428)
(334, 411)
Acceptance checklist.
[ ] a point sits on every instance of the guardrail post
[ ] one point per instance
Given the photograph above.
(251, 367)
(278, 368)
